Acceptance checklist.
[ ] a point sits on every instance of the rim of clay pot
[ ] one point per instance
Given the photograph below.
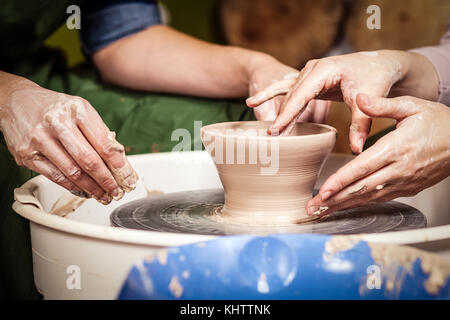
(331, 130)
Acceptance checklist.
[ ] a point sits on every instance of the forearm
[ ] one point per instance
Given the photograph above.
(164, 60)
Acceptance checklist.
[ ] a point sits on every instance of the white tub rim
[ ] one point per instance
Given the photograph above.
(30, 210)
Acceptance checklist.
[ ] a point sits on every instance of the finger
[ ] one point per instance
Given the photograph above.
(83, 153)
(371, 184)
(395, 108)
(308, 114)
(370, 198)
(371, 160)
(359, 130)
(57, 155)
(275, 89)
(321, 111)
(300, 95)
(268, 110)
(40, 164)
(109, 149)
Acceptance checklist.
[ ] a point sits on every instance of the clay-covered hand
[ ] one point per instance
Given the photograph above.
(268, 75)
(64, 138)
(413, 157)
(340, 78)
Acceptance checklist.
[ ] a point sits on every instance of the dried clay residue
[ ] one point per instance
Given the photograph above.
(339, 243)
(161, 255)
(66, 204)
(153, 192)
(175, 287)
(391, 257)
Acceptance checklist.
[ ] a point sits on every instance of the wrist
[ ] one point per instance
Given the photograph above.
(251, 61)
(8, 84)
(419, 79)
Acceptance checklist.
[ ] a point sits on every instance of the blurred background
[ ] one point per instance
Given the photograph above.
(295, 31)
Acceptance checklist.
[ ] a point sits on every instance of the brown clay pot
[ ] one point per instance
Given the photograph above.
(267, 180)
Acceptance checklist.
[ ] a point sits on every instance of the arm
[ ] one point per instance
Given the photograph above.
(132, 49)
(162, 59)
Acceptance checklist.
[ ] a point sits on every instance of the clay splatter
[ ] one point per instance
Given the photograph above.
(391, 258)
(340, 243)
(263, 286)
(161, 255)
(175, 287)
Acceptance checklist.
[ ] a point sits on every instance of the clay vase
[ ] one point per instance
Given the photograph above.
(267, 180)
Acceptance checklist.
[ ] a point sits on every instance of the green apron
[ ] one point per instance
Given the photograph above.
(144, 122)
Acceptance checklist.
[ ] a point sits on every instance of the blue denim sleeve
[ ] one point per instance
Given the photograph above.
(105, 21)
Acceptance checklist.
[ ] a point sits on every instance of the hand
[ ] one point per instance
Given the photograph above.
(270, 73)
(407, 160)
(341, 78)
(64, 138)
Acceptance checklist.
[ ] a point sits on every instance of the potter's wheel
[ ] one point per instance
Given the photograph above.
(194, 212)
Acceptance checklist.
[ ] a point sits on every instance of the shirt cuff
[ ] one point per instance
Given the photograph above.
(440, 58)
(104, 24)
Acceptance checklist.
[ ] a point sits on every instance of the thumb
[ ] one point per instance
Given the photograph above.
(395, 108)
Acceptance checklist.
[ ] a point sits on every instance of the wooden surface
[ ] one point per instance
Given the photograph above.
(405, 24)
(293, 31)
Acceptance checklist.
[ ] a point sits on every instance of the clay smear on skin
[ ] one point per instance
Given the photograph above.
(126, 177)
(60, 113)
(391, 257)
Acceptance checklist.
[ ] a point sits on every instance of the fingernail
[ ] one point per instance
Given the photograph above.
(316, 210)
(119, 196)
(105, 199)
(115, 193)
(325, 195)
(129, 184)
(274, 131)
(360, 144)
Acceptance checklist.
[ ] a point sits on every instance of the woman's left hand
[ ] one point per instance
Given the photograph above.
(404, 162)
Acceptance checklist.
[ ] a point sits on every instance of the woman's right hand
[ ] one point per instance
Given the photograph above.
(63, 138)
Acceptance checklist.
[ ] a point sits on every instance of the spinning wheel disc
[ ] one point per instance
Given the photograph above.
(197, 212)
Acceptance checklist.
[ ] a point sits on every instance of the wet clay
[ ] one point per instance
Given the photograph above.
(66, 204)
(267, 179)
